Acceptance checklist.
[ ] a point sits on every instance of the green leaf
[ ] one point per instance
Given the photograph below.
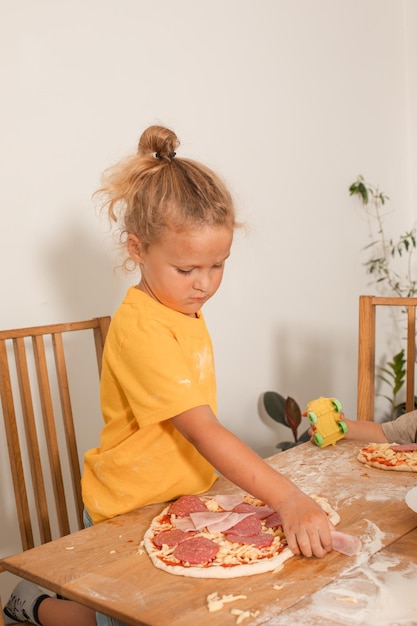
(274, 405)
(359, 188)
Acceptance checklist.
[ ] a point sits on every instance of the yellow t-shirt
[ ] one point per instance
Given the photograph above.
(157, 363)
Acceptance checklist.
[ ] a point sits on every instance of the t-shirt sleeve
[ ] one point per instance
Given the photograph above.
(157, 376)
(403, 430)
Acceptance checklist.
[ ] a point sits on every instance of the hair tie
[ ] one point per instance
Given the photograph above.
(158, 155)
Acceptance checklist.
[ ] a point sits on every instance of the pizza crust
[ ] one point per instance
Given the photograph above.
(382, 456)
(334, 517)
(265, 564)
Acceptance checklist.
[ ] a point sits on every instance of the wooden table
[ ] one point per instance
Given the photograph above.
(104, 567)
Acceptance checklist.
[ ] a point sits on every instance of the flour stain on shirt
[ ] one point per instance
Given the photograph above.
(203, 362)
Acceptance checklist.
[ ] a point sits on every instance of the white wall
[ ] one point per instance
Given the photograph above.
(288, 99)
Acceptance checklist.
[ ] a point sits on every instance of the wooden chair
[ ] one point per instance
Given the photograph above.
(35, 393)
(366, 354)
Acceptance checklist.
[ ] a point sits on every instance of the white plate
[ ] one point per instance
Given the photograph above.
(411, 499)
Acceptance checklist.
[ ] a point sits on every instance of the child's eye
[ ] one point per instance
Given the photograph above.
(183, 272)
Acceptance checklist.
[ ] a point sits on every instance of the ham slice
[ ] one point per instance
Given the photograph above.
(214, 521)
(345, 543)
(217, 522)
(405, 447)
(228, 501)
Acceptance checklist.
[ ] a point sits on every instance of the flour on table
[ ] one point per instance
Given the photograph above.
(372, 542)
(373, 594)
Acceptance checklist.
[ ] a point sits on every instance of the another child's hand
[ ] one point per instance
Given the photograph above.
(306, 526)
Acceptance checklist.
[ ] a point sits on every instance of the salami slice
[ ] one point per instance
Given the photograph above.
(171, 537)
(196, 551)
(260, 511)
(186, 505)
(249, 526)
(273, 520)
(405, 447)
(262, 540)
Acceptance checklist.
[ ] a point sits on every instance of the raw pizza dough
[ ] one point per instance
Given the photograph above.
(215, 541)
(390, 456)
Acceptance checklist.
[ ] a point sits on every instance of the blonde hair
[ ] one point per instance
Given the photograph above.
(154, 190)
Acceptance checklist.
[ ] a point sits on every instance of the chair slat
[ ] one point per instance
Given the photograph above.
(366, 359)
(367, 349)
(411, 358)
(1, 612)
(100, 334)
(15, 454)
(48, 329)
(50, 432)
(68, 422)
(34, 455)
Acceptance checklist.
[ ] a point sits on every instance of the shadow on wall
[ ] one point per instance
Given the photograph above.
(80, 269)
(308, 365)
(282, 433)
(77, 268)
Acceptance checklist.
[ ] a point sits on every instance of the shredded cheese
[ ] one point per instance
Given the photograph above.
(215, 602)
(242, 615)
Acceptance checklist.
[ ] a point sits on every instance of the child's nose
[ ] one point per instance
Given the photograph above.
(202, 282)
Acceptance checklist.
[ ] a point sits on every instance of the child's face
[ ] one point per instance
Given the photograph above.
(184, 270)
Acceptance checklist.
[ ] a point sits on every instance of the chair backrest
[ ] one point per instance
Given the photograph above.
(35, 392)
(366, 354)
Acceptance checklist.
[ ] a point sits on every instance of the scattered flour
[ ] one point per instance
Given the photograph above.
(381, 600)
(368, 595)
(372, 542)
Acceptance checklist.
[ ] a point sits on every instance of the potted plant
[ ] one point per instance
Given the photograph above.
(287, 412)
(384, 252)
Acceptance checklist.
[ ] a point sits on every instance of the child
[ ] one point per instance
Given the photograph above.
(161, 437)
(402, 430)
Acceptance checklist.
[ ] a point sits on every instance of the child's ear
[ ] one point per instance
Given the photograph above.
(135, 248)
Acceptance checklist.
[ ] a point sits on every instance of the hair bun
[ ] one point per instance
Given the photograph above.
(158, 142)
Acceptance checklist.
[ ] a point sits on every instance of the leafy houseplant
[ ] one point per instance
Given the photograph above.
(394, 375)
(287, 412)
(384, 252)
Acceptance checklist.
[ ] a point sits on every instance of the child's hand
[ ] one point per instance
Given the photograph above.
(306, 526)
